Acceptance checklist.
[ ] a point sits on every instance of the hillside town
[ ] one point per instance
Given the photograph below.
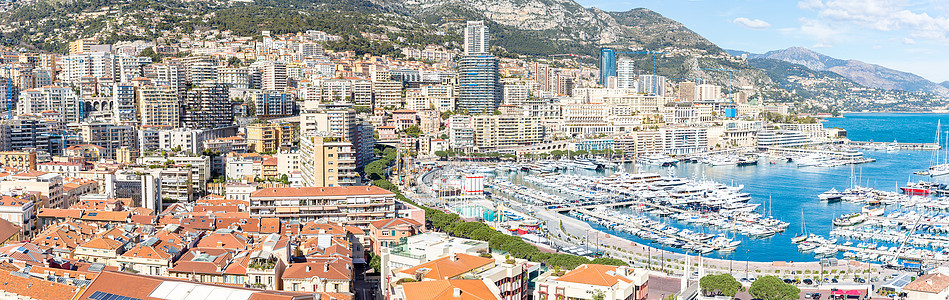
(234, 167)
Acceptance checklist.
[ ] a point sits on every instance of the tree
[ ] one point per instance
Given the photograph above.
(608, 261)
(772, 288)
(376, 263)
(150, 53)
(233, 61)
(715, 285)
(413, 131)
(441, 154)
(598, 295)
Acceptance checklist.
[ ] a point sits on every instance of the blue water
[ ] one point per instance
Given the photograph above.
(788, 191)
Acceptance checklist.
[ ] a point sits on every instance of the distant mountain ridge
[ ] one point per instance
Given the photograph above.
(868, 75)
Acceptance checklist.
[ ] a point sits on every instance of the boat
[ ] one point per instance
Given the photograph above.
(831, 196)
(921, 188)
(657, 160)
(850, 219)
(800, 237)
(873, 211)
(893, 147)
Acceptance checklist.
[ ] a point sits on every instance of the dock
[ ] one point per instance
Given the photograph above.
(627, 223)
(903, 146)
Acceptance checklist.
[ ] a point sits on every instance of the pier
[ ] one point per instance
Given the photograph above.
(626, 223)
(903, 146)
(608, 204)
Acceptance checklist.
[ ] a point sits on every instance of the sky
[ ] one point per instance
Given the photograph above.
(905, 35)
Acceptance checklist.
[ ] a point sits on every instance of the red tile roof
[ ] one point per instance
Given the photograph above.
(449, 267)
(445, 290)
(320, 191)
(35, 288)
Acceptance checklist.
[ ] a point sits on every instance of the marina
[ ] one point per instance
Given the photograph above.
(748, 205)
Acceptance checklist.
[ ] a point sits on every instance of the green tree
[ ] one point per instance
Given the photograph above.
(413, 131)
(719, 285)
(233, 61)
(441, 154)
(375, 263)
(772, 288)
(608, 261)
(150, 53)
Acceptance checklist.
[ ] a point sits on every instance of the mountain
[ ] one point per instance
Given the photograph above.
(869, 75)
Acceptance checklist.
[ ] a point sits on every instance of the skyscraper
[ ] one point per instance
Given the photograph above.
(626, 74)
(607, 65)
(476, 38)
(652, 84)
(480, 89)
(479, 80)
(207, 106)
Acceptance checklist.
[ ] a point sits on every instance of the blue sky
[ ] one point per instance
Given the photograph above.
(906, 35)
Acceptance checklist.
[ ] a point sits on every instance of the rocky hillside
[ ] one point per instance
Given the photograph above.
(869, 75)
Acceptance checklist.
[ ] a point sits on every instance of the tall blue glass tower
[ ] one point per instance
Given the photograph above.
(607, 65)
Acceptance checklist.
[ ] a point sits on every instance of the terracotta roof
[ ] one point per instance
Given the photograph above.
(141, 286)
(445, 290)
(449, 267)
(109, 216)
(223, 240)
(394, 222)
(60, 213)
(8, 230)
(929, 283)
(24, 252)
(269, 225)
(337, 270)
(321, 191)
(35, 288)
(593, 274)
(102, 243)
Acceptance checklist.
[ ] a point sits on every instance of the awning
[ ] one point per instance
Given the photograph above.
(288, 209)
(847, 292)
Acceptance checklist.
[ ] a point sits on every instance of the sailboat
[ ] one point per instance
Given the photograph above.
(939, 169)
(800, 237)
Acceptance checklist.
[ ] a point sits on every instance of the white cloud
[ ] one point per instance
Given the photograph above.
(909, 41)
(810, 4)
(821, 45)
(883, 15)
(756, 24)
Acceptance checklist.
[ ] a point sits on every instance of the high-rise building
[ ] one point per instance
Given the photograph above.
(476, 38)
(607, 65)
(109, 136)
(123, 104)
(708, 92)
(61, 99)
(327, 160)
(158, 107)
(207, 106)
(652, 84)
(274, 104)
(626, 75)
(687, 91)
(274, 76)
(387, 94)
(479, 84)
(343, 123)
(269, 137)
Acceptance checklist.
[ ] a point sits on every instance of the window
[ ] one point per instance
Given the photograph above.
(296, 287)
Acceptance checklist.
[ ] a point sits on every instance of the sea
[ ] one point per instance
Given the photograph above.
(789, 193)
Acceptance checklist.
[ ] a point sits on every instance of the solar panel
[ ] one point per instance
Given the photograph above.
(107, 296)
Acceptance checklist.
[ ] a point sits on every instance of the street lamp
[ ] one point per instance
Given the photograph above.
(746, 262)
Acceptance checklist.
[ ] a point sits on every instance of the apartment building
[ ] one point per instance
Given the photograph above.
(350, 205)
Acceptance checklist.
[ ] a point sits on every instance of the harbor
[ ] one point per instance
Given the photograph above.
(768, 206)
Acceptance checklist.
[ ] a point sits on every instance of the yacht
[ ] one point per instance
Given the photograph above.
(831, 196)
(657, 160)
(850, 219)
